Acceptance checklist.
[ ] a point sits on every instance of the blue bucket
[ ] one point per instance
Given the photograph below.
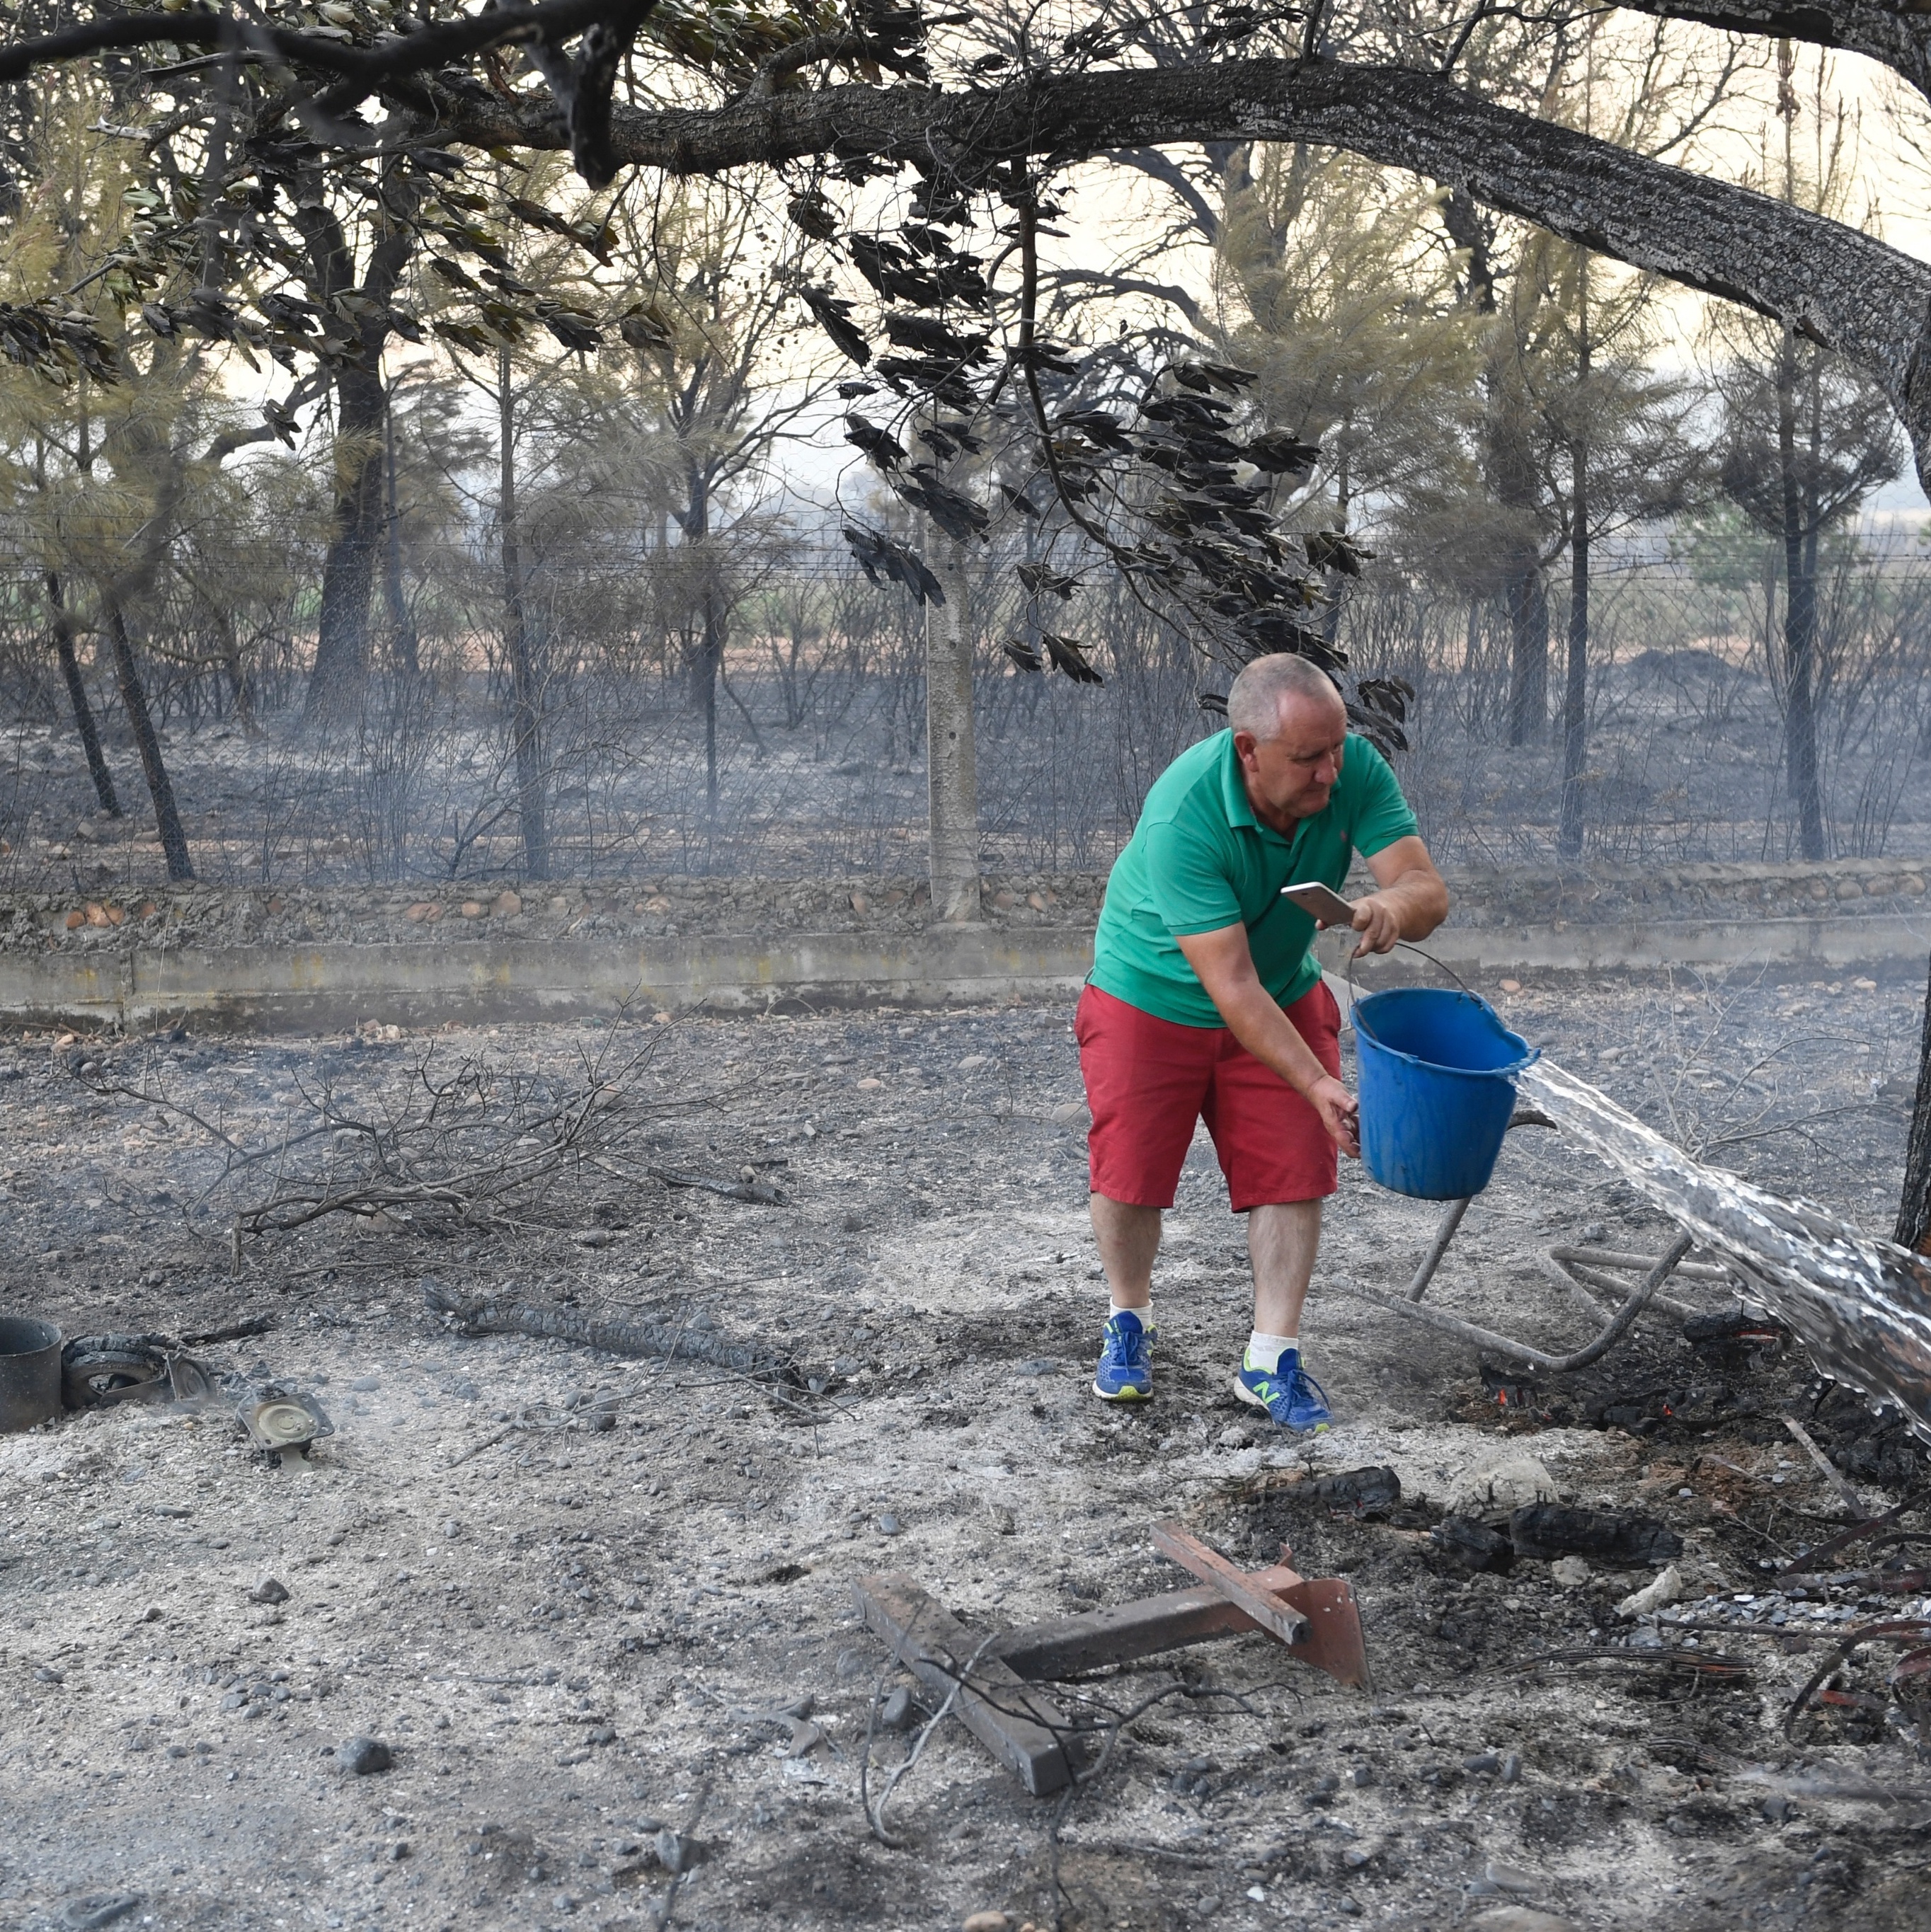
(1437, 1087)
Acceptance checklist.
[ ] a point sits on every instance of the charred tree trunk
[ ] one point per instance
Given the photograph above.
(1512, 474)
(1913, 1230)
(1575, 686)
(405, 651)
(525, 683)
(710, 664)
(340, 674)
(1527, 598)
(694, 522)
(238, 675)
(952, 788)
(140, 720)
(76, 697)
(1799, 620)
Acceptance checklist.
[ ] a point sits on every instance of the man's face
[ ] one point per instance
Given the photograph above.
(1291, 776)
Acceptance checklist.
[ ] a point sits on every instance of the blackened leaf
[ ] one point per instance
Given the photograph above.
(1096, 426)
(1380, 730)
(949, 439)
(929, 337)
(814, 213)
(877, 552)
(833, 315)
(1335, 550)
(895, 271)
(1069, 658)
(954, 512)
(1282, 455)
(645, 327)
(884, 449)
(940, 379)
(571, 327)
(1024, 656)
(1038, 577)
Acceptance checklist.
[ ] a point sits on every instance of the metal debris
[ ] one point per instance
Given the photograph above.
(284, 1422)
(986, 1683)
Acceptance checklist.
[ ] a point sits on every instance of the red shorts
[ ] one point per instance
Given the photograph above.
(1149, 1080)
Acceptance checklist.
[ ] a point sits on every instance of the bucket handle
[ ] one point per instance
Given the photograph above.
(1354, 992)
(1354, 997)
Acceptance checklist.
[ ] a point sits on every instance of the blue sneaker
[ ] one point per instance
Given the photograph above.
(1125, 1373)
(1287, 1392)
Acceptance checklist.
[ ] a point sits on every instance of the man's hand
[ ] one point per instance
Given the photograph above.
(1340, 1112)
(1377, 918)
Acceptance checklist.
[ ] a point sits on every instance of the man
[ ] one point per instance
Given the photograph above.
(1205, 1002)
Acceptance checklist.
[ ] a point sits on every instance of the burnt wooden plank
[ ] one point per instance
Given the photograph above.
(1125, 1632)
(1267, 1609)
(1018, 1725)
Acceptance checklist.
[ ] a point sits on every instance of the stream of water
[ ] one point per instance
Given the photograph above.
(1862, 1306)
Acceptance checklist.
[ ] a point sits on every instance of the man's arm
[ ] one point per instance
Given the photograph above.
(1410, 900)
(1225, 965)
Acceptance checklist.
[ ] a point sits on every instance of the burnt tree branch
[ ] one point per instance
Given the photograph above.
(1841, 288)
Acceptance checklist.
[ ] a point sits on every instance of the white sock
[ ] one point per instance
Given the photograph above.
(1264, 1352)
(1143, 1314)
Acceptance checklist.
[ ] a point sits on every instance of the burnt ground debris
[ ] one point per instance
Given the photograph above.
(583, 1601)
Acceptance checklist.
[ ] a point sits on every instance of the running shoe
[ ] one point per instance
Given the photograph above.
(1125, 1373)
(1287, 1392)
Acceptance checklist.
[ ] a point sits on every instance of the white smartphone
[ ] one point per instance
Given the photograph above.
(1320, 902)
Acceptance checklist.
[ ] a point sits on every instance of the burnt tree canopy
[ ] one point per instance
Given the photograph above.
(356, 96)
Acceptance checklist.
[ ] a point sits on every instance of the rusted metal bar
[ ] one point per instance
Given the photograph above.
(1125, 1632)
(1613, 1331)
(1334, 1643)
(1016, 1723)
(1246, 1592)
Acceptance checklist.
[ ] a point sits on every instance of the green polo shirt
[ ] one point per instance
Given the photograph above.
(1199, 860)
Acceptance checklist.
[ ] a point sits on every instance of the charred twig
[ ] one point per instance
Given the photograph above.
(1708, 1663)
(1908, 1631)
(1115, 1731)
(756, 1192)
(475, 1144)
(1832, 1474)
(232, 1331)
(664, 1911)
(1870, 1526)
(875, 1815)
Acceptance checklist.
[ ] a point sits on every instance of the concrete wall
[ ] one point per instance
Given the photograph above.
(226, 967)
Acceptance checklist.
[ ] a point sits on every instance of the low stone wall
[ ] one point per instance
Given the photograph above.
(327, 959)
(205, 916)
(1857, 888)
(218, 917)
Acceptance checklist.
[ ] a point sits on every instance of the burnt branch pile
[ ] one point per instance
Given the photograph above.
(459, 1143)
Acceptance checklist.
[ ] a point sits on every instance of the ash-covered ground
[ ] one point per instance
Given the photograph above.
(585, 1602)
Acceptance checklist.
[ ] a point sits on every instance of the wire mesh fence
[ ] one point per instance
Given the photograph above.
(818, 746)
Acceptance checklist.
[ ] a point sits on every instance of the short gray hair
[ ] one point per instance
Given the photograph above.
(1254, 703)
